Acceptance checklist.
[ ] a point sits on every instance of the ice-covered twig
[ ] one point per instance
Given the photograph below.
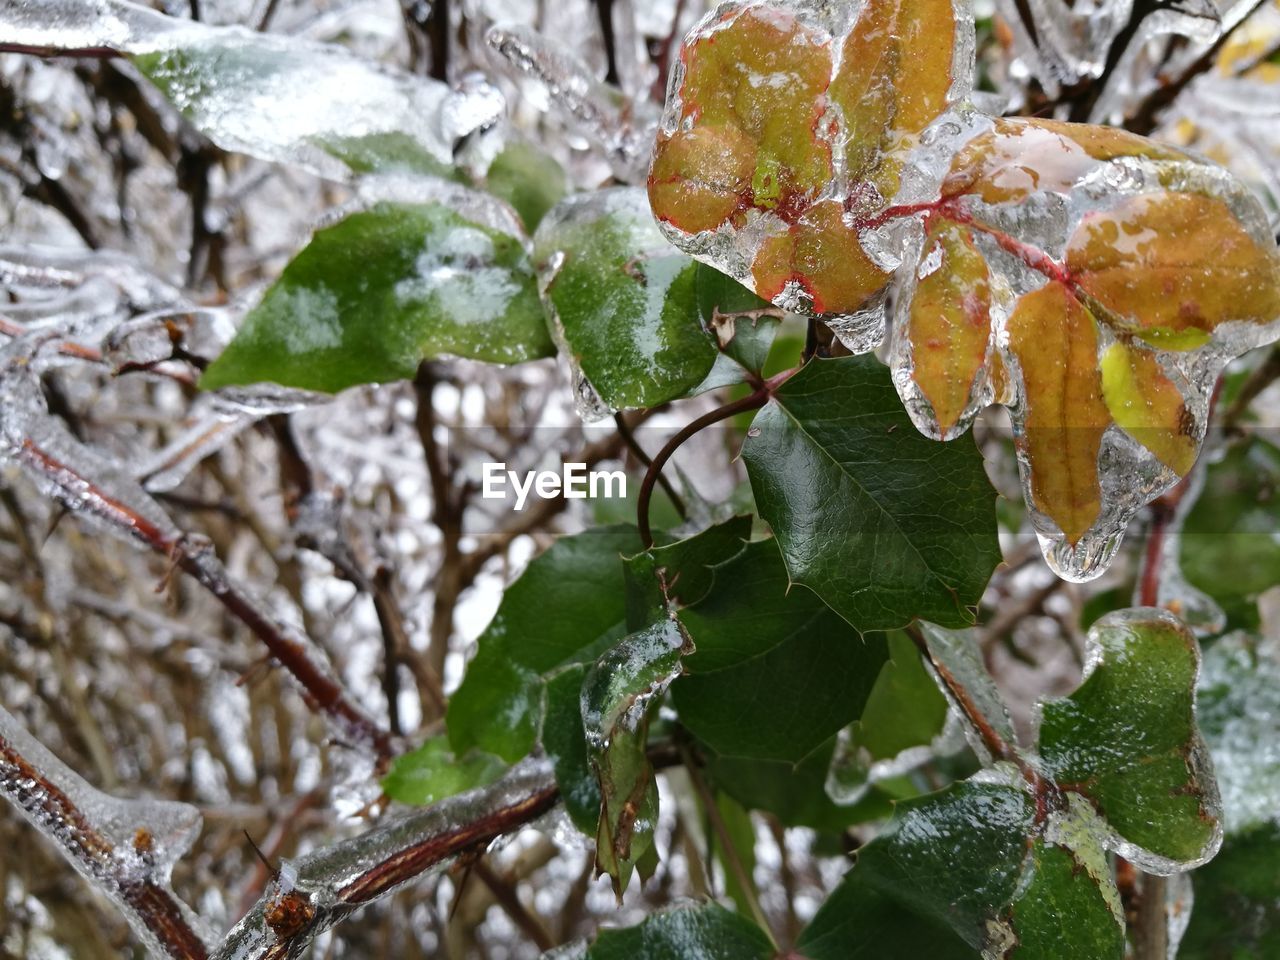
(318, 890)
(124, 848)
(94, 489)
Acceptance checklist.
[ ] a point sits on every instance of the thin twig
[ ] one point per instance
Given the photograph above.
(633, 445)
(752, 401)
(321, 689)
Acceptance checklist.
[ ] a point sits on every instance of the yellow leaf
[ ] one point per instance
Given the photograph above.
(895, 72)
(1018, 157)
(1172, 267)
(822, 253)
(1148, 406)
(1055, 342)
(949, 323)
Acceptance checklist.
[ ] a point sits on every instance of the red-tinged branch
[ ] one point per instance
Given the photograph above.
(412, 861)
(35, 50)
(320, 688)
(152, 906)
(752, 401)
(997, 746)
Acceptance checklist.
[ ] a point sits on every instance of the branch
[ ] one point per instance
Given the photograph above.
(84, 495)
(322, 888)
(86, 825)
(753, 401)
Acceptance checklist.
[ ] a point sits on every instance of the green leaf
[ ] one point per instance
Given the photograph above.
(795, 793)
(372, 296)
(528, 179)
(744, 326)
(1236, 915)
(900, 726)
(432, 772)
(288, 100)
(567, 607)
(775, 673)
(1230, 541)
(882, 523)
(618, 694)
(681, 573)
(624, 299)
(1127, 739)
(1238, 710)
(565, 741)
(742, 835)
(972, 868)
(706, 932)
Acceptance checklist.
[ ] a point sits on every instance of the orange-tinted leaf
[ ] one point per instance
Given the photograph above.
(701, 176)
(1148, 406)
(1055, 342)
(895, 71)
(949, 323)
(821, 252)
(759, 84)
(1018, 157)
(1172, 267)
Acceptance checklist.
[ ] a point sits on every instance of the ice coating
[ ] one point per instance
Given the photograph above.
(273, 97)
(1120, 642)
(1095, 282)
(622, 127)
(1239, 712)
(316, 890)
(956, 661)
(125, 849)
(784, 140)
(614, 222)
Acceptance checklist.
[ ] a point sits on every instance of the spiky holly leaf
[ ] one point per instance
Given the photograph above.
(878, 521)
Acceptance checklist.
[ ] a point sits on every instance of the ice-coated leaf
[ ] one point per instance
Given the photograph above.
(775, 108)
(528, 179)
(1055, 342)
(1159, 271)
(621, 690)
(1022, 156)
(1173, 267)
(949, 326)
(809, 151)
(685, 932)
(432, 772)
(618, 695)
(883, 524)
(280, 98)
(1238, 709)
(973, 868)
(904, 723)
(623, 302)
(1127, 740)
(1236, 915)
(372, 296)
(1229, 543)
(498, 707)
(958, 668)
(621, 126)
(776, 672)
(565, 742)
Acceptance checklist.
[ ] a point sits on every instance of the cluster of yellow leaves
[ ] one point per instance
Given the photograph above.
(765, 115)
(777, 122)
(1157, 272)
